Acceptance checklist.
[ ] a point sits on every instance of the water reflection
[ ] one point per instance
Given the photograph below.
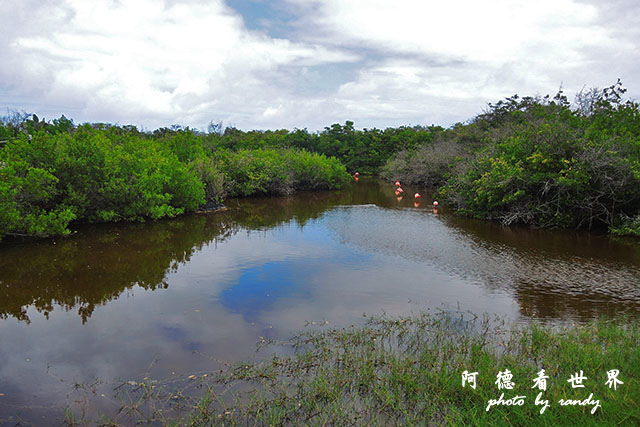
(258, 289)
(552, 274)
(194, 292)
(558, 274)
(99, 264)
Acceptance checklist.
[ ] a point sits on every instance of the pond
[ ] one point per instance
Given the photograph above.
(165, 299)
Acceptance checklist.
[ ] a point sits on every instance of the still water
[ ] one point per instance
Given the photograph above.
(165, 299)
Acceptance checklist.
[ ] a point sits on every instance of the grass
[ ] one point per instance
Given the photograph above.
(407, 371)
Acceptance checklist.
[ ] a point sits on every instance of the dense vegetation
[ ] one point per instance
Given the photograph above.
(54, 173)
(364, 151)
(407, 371)
(539, 161)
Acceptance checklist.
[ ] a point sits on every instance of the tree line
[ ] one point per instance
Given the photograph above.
(541, 161)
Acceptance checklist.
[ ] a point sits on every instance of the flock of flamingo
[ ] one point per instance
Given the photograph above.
(400, 194)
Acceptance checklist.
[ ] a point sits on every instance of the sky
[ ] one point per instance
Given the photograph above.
(258, 64)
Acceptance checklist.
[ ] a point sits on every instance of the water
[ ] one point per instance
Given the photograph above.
(165, 299)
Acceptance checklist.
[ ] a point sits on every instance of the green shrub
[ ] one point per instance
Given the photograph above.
(538, 161)
(91, 175)
(313, 171)
(283, 171)
(100, 173)
(125, 177)
(626, 226)
(26, 205)
(208, 171)
(427, 165)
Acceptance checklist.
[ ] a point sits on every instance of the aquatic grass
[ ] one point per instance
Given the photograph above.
(407, 371)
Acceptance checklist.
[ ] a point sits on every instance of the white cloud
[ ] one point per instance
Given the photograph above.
(377, 62)
(441, 58)
(153, 61)
(467, 30)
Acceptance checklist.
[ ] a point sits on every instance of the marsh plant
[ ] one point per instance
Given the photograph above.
(410, 371)
(541, 161)
(97, 173)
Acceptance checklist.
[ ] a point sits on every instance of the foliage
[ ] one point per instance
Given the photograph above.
(364, 151)
(212, 178)
(269, 171)
(425, 165)
(538, 161)
(94, 176)
(26, 195)
(626, 226)
(54, 173)
(534, 160)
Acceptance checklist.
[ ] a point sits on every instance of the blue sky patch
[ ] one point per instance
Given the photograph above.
(272, 17)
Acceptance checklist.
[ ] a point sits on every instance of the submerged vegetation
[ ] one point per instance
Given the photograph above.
(408, 371)
(540, 161)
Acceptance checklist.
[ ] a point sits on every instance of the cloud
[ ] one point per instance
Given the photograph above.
(539, 41)
(445, 60)
(474, 31)
(150, 60)
(306, 63)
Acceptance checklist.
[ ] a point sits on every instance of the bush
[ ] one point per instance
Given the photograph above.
(99, 173)
(313, 171)
(538, 161)
(556, 167)
(208, 171)
(428, 166)
(270, 171)
(626, 226)
(91, 176)
(26, 206)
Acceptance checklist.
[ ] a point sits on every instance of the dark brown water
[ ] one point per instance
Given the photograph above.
(165, 299)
